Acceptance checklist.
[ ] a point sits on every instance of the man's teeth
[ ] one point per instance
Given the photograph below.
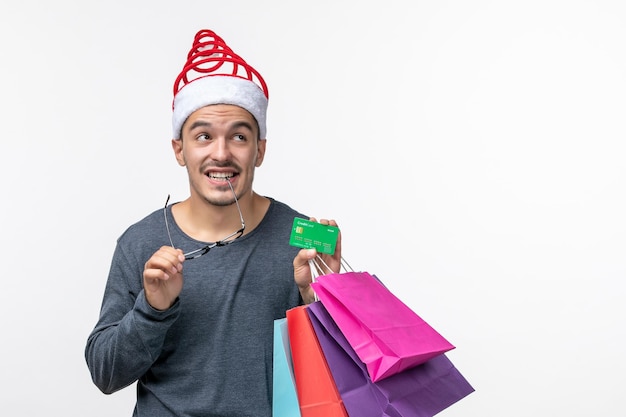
(224, 177)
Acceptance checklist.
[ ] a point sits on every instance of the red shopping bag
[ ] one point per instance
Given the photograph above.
(317, 393)
(383, 331)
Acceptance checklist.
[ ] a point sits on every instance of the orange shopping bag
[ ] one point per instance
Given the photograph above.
(317, 393)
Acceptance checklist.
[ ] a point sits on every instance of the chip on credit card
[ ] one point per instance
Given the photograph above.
(307, 234)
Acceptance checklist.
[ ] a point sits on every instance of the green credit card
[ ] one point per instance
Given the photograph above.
(307, 234)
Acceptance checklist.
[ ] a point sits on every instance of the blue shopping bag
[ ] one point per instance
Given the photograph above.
(284, 397)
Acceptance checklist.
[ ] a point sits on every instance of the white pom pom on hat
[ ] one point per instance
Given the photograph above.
(214, 74)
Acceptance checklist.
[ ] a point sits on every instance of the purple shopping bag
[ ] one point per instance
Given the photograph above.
(383, 331)
(420, 391)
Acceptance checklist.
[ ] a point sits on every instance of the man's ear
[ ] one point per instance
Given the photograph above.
(260, 152)
(177, 146)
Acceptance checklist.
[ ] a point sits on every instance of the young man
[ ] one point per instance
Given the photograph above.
(194, 288)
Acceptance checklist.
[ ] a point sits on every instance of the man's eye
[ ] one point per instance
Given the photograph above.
(239, 137)
(203, 137)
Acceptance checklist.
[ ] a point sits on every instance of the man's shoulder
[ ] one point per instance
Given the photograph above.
(281, 209)
(145, 226)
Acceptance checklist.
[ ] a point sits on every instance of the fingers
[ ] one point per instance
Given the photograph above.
(332, 222)
(334, 261)
(303, 257)
(324, 221)
(162, 277)
(164, 263)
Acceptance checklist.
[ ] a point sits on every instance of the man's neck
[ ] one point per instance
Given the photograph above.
(208, 223)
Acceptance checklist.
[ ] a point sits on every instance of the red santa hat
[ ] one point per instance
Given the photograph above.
(214, 74)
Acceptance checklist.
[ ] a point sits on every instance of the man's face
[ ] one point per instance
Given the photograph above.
(220, 143)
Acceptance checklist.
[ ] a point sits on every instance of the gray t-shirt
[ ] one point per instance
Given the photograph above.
(211, 353)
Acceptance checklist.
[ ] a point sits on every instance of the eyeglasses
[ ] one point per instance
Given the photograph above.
(223, 242)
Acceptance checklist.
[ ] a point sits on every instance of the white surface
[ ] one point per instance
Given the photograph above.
(472, 153)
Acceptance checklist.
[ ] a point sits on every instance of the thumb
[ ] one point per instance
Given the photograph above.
(303, 257)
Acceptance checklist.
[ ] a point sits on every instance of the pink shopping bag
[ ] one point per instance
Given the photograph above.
(383, 331)
(420, 391)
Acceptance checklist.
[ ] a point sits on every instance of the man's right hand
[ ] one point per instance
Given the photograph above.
(163, 277)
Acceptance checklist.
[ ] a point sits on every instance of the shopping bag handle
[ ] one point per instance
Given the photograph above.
(317, 269)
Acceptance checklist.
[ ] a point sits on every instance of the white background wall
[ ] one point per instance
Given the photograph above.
(472, 153)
